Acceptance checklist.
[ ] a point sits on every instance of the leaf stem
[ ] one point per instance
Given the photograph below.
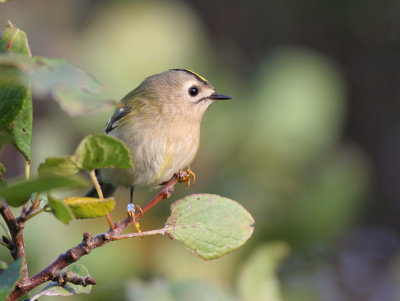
(35, 213)
(36, 202)
(96, 184)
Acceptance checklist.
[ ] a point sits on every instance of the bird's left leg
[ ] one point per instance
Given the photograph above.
(131, 209)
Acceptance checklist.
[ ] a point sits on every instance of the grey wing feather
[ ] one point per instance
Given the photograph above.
(121, 112)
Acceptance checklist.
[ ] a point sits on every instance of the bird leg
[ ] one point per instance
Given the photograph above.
(190, 175)
(131, 210)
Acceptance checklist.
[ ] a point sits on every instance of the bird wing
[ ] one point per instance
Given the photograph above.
(118, 115)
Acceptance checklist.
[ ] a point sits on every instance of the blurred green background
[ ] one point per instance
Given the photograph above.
(309, 144)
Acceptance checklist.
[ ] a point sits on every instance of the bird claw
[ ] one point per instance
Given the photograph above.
(187, 178)
(131, 210)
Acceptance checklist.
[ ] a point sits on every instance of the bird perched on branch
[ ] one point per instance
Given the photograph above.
(159, 122)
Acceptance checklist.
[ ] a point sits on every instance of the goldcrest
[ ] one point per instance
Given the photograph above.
(159, 122)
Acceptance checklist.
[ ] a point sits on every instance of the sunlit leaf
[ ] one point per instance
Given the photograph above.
(17, 194)
(68, 289)
(101, 151)
(209, 225)
(60, 209)
(58, 166)
(10, 277)
(85, 207)
(258, 280)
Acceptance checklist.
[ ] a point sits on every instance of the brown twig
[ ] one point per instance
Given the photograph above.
(17, 246)
(52, 272)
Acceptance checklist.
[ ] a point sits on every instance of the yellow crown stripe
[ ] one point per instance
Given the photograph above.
(198, 75)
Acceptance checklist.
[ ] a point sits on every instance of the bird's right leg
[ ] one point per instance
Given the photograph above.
(131, 209)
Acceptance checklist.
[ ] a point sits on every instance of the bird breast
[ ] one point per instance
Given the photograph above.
(158, 150)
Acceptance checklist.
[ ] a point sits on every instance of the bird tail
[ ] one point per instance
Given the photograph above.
(107, 189)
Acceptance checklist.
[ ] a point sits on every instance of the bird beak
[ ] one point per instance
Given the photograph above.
(217, 96)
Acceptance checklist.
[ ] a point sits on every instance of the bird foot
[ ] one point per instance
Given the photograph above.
(131, 210)
(190, 175)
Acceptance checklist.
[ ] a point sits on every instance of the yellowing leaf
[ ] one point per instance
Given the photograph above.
(85, 207)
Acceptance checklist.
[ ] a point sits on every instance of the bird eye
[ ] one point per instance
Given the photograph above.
(193, 91)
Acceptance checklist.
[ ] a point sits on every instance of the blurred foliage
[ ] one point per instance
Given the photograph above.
(9, 278)
(277, 147)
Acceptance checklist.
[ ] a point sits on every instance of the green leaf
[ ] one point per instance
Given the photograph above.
(10, 277)
(258, 280)
(14, 40)
(54, 72)
(102, 151)
(16, 99)
(77, 102)
(68, 289)
(60, 209)
(17, 194)
(22, 127)
(58, 166)
(76, 91)
(12, 100)
(209, 224)
(85, 207)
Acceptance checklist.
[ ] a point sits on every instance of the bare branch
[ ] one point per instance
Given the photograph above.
(17, 246)
(54, 270)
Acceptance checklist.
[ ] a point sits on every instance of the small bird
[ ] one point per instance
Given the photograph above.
(159, 122)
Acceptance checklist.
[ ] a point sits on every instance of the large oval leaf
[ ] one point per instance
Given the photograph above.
(209, 225)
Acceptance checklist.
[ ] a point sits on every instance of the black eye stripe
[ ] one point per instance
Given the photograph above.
(193, 91)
